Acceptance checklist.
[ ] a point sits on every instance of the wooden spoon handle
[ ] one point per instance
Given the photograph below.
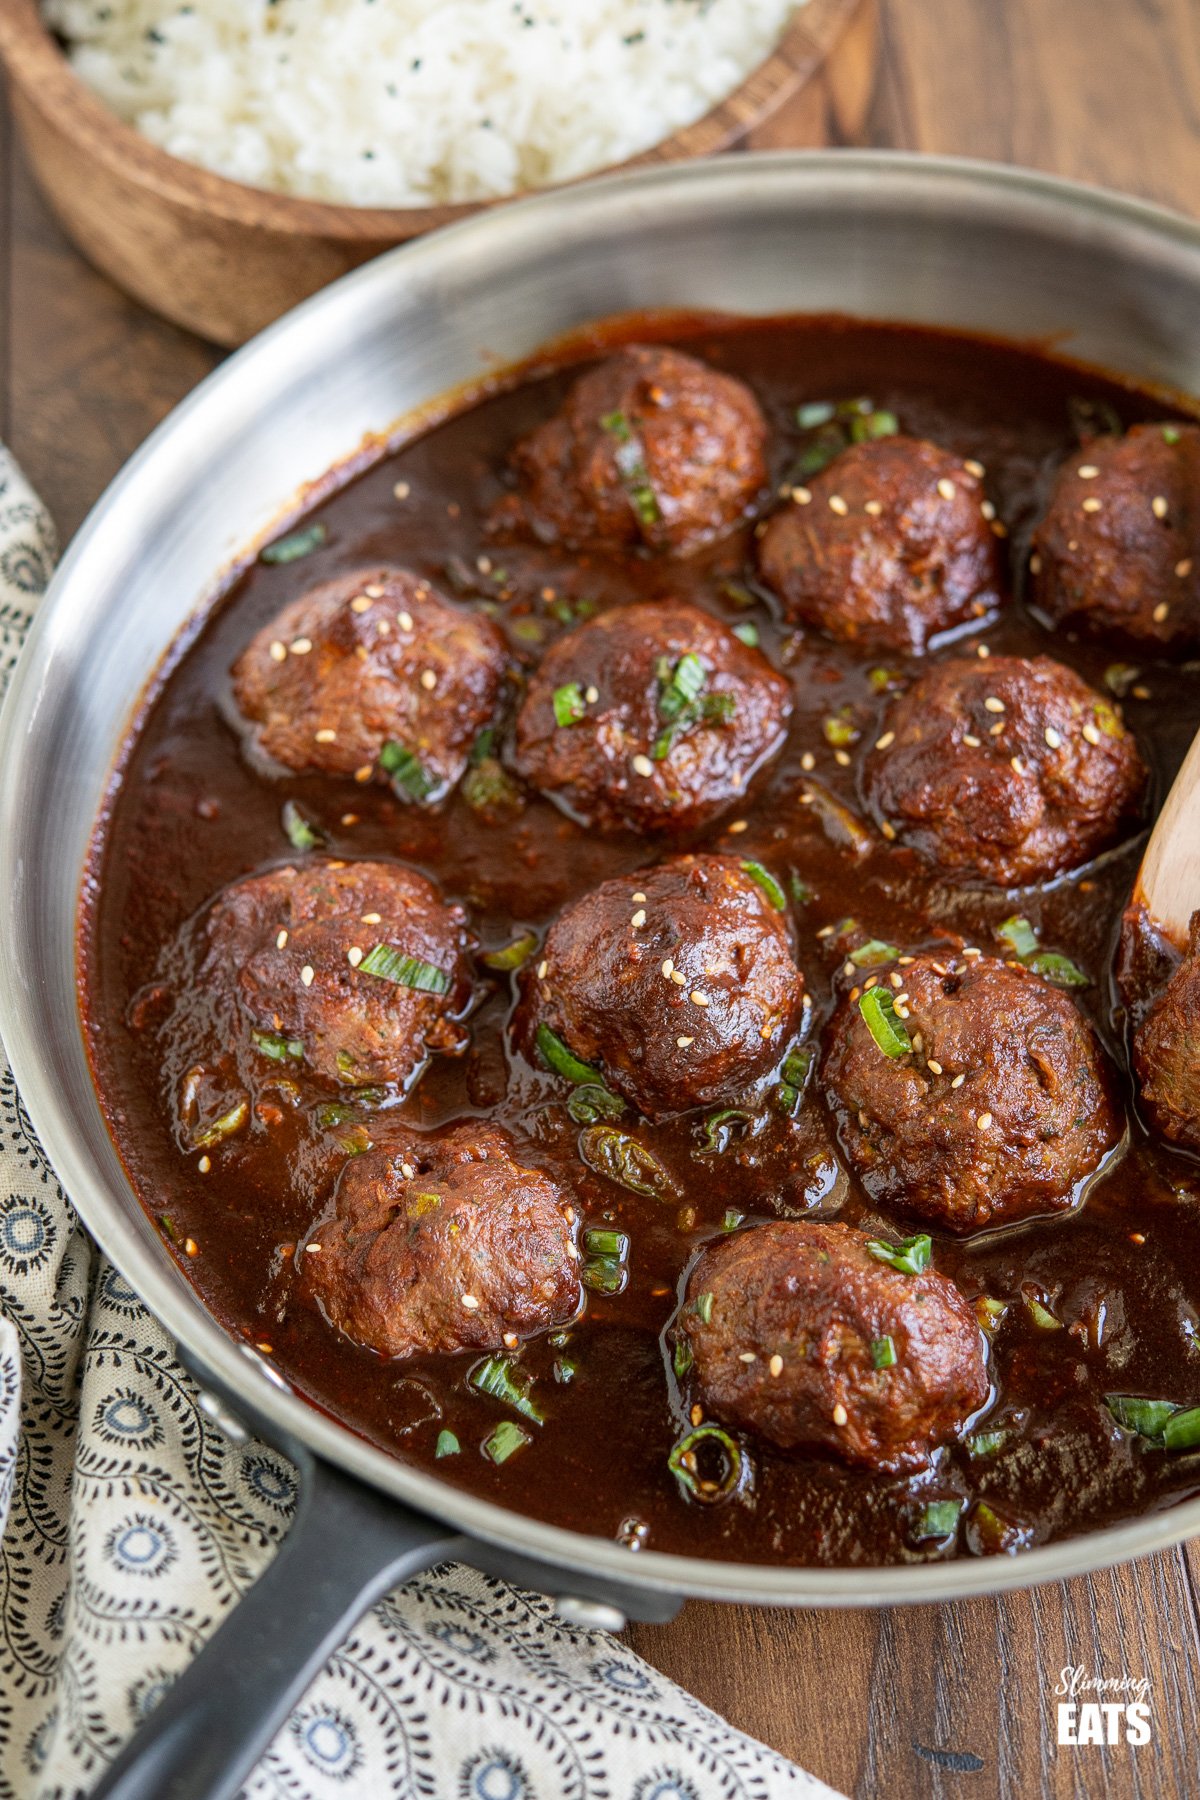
(1168, 882)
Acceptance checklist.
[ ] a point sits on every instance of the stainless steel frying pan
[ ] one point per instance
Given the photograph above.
(1104, 279)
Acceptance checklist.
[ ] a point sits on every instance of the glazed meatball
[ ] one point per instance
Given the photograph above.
(443, 1242)
(678, 981)
(1012, 769)
(815, 1311)
(293, 947)
(1001, 1107)
(888, 547)
(651, 448)
(651, 717)
(373, 675)
(1119, 547)
(1166, 1052)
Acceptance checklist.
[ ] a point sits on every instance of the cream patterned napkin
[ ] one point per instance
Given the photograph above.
(131, 1525)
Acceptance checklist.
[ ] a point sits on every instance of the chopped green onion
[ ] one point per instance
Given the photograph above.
(720, 1127)
(1120, 677)
(883, 1352)
(937, 1519)
(911, 1256)
(731, 1219)
(300, 834)
(615, 1154)
(982, 1444)
(504, 1441)
(814, 413)
(391, 964)
(169, 1227)
(590, 1103)
(681, 686)
(569, 704)
(564, 1370)
(556, 1056)
(1170, 434)
(872, 953)
(702, 1306)
(718, 709)
(839, 824)
(487, 786)
(883, 679)
(496, 1377)
(1019, 935)
(682, 1464)
(1147, 1417)
(1092, 418)
(600, 1241)
(879, 1014)
(1108, 719)
(410, 781)
(513, 955)
(826, 443)
(990, 1312)
(682, 1358)
(1058, 969)
(793, 1076)
(529, 631)
(764, 879)
(802, 893)
(297, 544)
(604, 1275)
(1041, 1315)
(447, 1444)
(839, 729)
(739, 593)
(279, 1049)
(629, 460)
(357, 1141)
(870, 425)
(226, 1126)
(747, 631)
(1182, 1429)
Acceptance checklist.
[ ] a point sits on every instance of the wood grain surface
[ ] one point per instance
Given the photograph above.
(930, 1702)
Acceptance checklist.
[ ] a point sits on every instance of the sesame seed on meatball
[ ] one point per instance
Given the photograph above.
(652, 717)
(886, 548)
(677, 981)
(1119, 547)
(651, 449)
(1008, 768)
(1000, 1108)
(799, 1333)
(374, 675)
(441, 1242)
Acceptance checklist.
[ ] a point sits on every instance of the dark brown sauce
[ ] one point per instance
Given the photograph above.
(188, 814)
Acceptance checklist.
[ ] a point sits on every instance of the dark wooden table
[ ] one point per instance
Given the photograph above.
(928, 1701)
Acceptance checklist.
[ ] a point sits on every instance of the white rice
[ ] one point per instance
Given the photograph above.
(408, 102)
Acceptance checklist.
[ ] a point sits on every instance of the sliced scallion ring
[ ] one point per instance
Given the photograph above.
(879, 1015)
(763, 878)
(392, 964)
(496, 1376)
(682, 1463)
(911, 1256)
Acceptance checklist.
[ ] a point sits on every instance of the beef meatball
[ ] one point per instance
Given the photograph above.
(1012, 769)
(1166, 1052)
(443, 1242)
(888, 547)
(678, 981)
(294, 948)
(649, 448)
(800, 1333)
(651, 717)
(1001, 1107)
(1119, 547)
(373, 675)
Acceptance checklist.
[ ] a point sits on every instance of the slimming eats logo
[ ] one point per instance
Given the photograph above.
(1102, 1709)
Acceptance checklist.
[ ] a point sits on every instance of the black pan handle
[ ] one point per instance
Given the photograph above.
(348, 1545)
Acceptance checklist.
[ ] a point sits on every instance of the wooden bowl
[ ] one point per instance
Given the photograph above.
(224, 259)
